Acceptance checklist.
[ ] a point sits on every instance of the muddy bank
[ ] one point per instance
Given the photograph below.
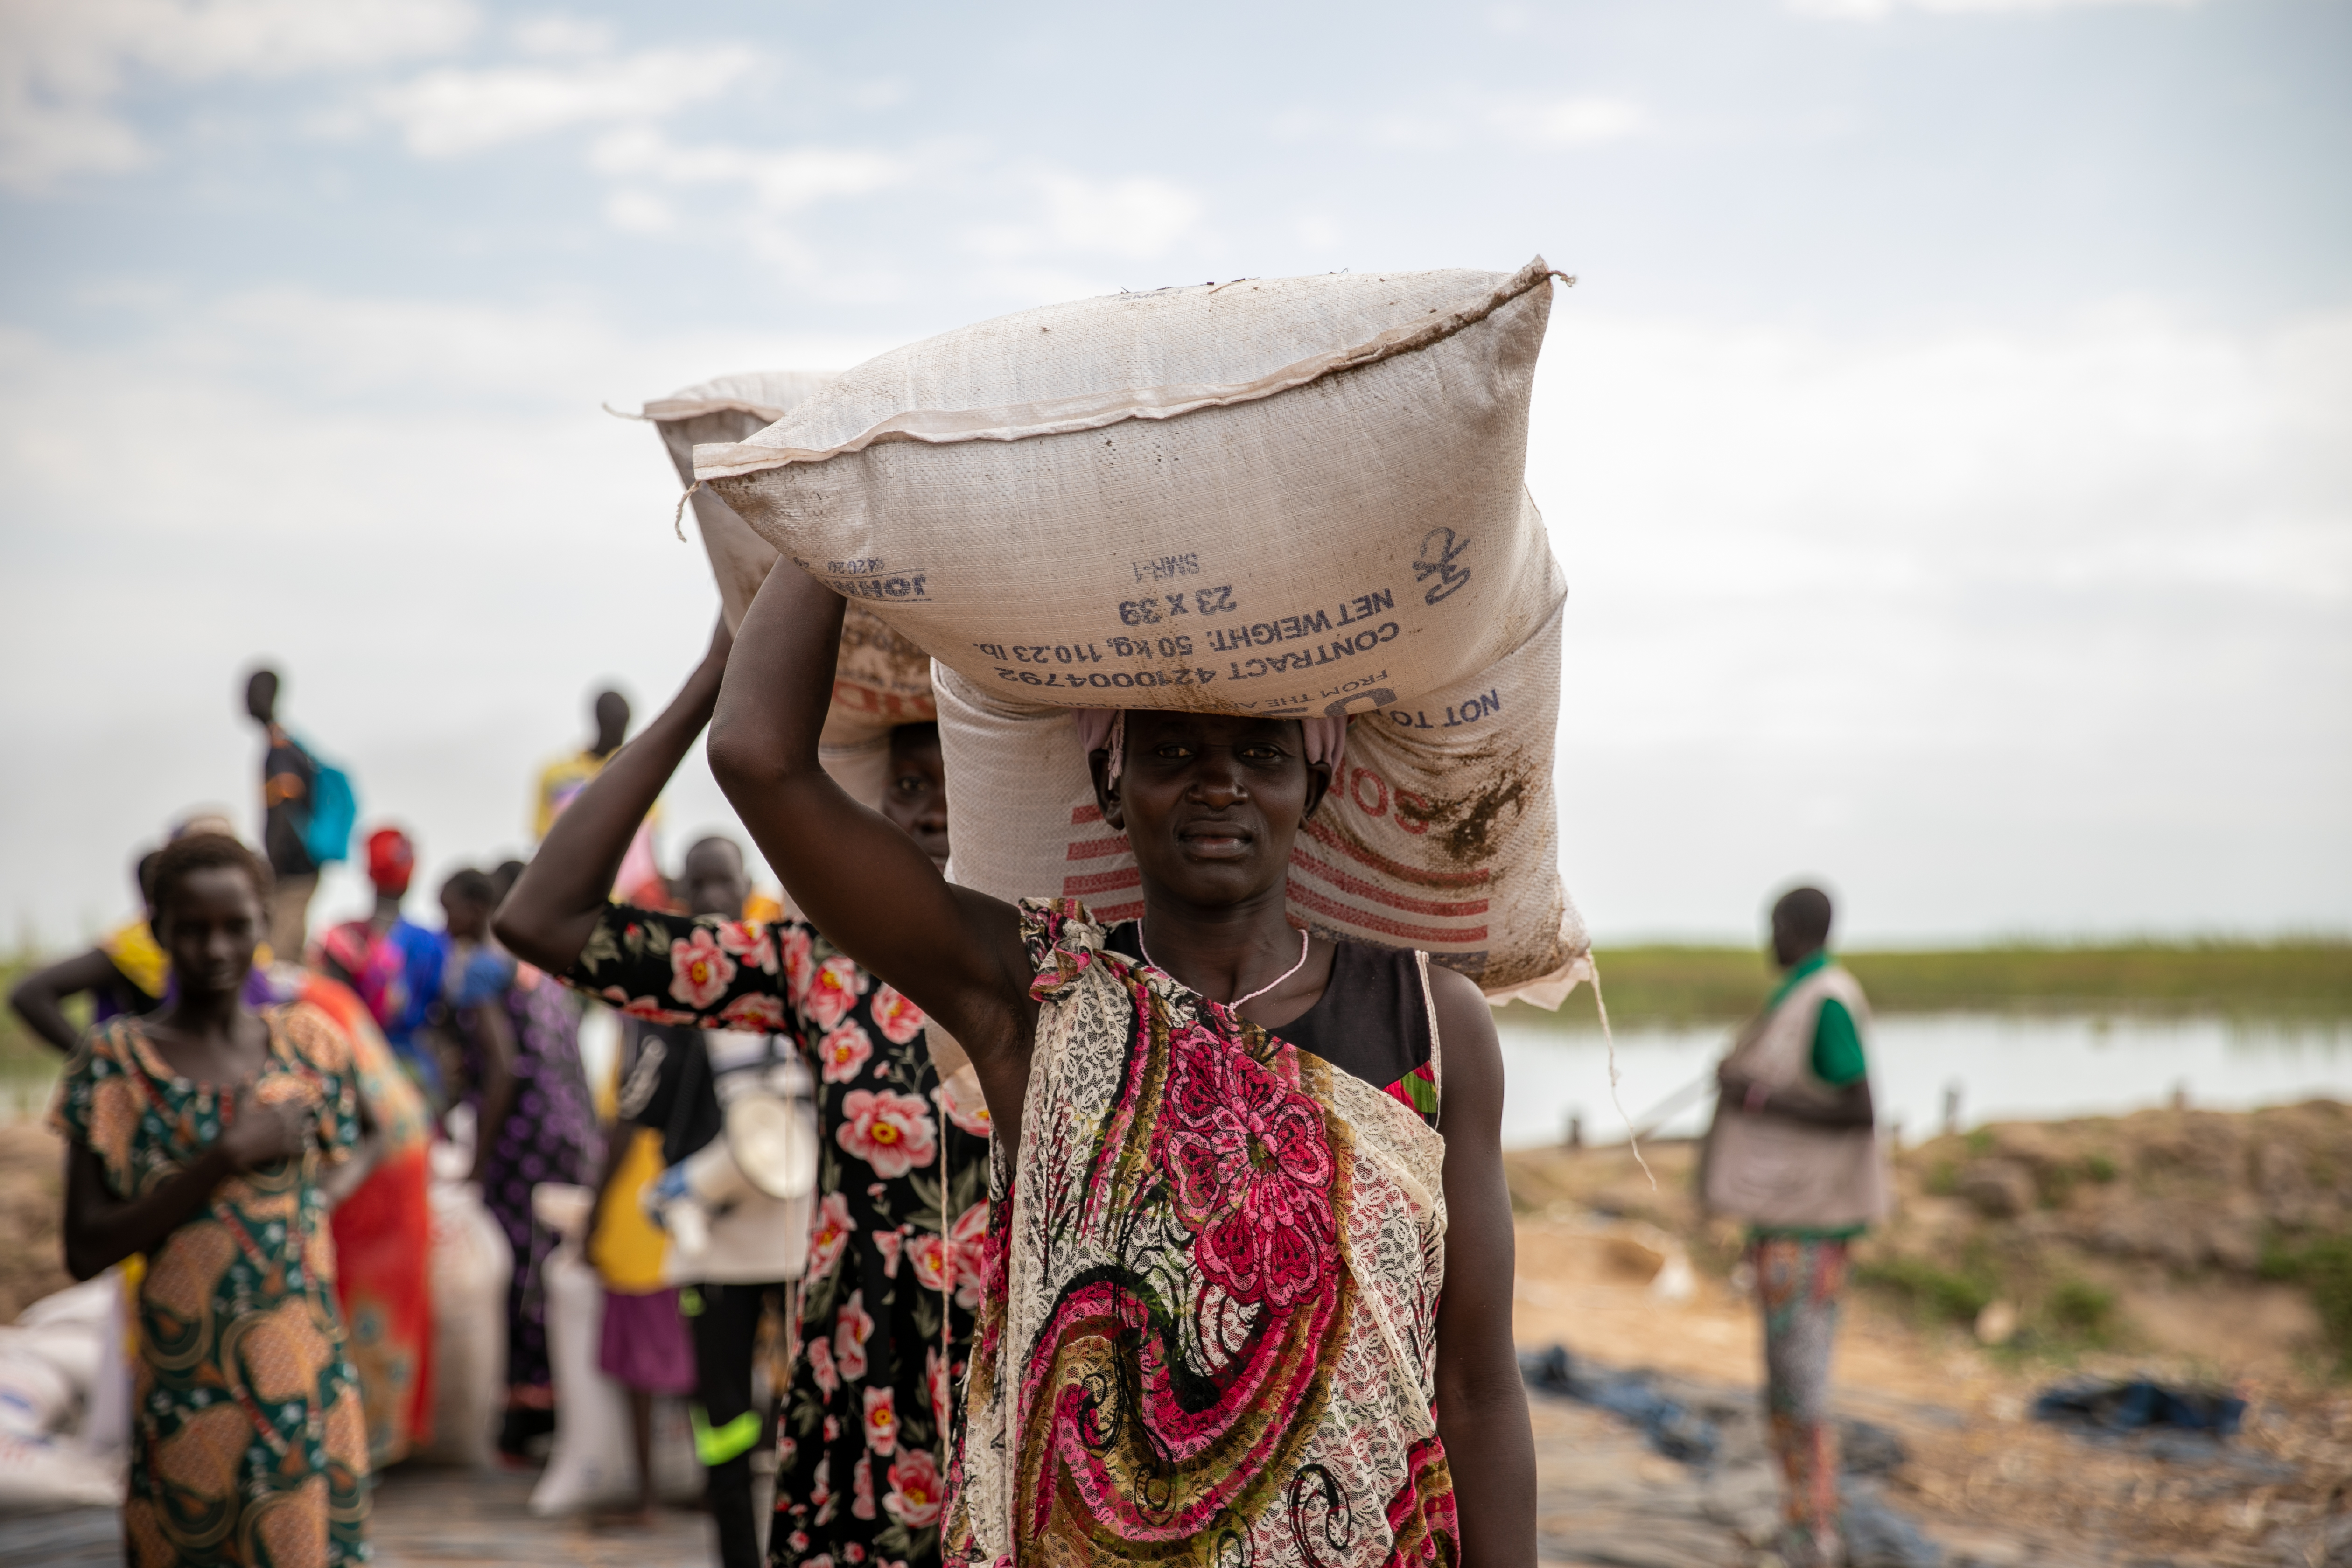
(2149, 1243)
(32, 1202)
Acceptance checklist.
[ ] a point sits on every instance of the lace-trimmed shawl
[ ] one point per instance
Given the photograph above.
(1210, 1306)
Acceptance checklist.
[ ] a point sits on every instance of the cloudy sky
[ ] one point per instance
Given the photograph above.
(1949, 441)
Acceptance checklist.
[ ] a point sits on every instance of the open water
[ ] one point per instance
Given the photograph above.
(2006, 1068)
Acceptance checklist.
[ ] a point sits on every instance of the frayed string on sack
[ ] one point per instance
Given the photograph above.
(678, 518)
(648, 419)
(1632, 1136)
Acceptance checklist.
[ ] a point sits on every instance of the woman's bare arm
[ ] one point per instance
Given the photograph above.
(39, 997)
(494, 1041)
(1482, 1406)
(556, 902)
(865, 884)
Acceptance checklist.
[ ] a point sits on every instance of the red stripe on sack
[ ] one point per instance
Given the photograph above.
(1096, 849)
(1405, 873)
(1085, 813)
(1101, 882)
(1363, 889)
(1111, 914)
(1365, 921)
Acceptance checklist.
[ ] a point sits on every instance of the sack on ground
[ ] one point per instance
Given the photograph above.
(64, 1397)
(1283, 496)
(592, 1464)
(472, 1262)
(883, 679)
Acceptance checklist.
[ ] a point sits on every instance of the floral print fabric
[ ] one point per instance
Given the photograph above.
(250, 1446)
(1209, 1321)
(886, 1308)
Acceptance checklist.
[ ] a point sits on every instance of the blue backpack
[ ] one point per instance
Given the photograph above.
(334, 812)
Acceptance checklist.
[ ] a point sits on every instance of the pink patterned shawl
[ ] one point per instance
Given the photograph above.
(1209, 1318)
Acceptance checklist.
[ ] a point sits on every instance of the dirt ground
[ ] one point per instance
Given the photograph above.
(1602, 1269)
(2173, 1228)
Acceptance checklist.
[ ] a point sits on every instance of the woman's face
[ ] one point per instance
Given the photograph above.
(468, 920)
(210, 926)
(917, 800)
(1211, 802)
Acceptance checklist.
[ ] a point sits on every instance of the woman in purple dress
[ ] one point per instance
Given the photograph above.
(534, 1121)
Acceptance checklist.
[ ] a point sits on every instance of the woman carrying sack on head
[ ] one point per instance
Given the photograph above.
(885, 1307)
(1248, 1287)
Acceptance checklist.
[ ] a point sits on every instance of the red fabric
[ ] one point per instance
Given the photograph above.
(383, 1237)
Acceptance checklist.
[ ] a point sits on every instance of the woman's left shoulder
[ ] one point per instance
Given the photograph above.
(315, 1035)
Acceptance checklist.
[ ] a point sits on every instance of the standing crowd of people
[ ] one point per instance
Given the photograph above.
(1184, 1236)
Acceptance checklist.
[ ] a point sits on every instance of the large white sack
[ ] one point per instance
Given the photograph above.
(593, 1464)
(883, 679)
(1285, 496)
(471, 1264)
(1440, 831)
(38, 1474)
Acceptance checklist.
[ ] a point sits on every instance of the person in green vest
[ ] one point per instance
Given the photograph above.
(1794, 1152)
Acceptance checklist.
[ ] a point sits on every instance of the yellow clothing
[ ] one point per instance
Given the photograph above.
(558, 783)
(131, 947)
(627, 1248)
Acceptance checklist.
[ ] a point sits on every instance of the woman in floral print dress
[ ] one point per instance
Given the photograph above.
(886, 1307)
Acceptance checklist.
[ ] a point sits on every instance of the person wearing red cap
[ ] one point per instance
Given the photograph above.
(392, 961)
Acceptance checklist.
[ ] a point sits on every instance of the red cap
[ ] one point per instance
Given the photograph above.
(390, 860)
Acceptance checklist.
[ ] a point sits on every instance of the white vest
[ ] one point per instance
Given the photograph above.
(1775, 1171)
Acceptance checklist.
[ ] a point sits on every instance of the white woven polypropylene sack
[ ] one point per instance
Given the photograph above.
(1439, 831)
(1279, 496)
(883, 679)
(471, 1264)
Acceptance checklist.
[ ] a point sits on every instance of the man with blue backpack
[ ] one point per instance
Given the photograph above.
(308, 808)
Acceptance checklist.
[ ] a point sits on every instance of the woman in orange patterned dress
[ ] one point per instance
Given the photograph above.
(214, 1138)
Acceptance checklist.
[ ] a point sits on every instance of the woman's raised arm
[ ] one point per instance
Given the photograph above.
(867, 886)
(561, 895)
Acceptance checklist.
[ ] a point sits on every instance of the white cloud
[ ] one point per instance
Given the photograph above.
(639, 212)
(1996, 627)
(779, 180)
(390, 496)
(1574, 121)
(1876, 10)
(453, 110)
(64, 63)
(562, 36)
(1137, 218)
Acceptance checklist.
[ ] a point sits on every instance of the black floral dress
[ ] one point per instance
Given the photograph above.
(886, 1307)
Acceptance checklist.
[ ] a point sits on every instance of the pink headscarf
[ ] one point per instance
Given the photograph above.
(1106, 728)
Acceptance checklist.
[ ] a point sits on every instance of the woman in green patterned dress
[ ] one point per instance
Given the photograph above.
(214, 1138)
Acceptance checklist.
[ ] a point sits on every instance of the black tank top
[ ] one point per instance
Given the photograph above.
(1372, 1021)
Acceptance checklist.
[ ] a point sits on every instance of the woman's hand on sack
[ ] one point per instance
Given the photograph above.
(265, 1134)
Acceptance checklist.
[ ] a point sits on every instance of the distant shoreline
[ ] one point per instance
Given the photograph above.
(1665, 984)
